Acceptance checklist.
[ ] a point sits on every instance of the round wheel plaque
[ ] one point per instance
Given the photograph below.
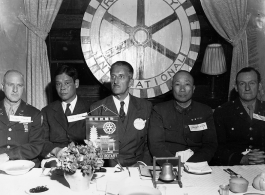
(157, 37)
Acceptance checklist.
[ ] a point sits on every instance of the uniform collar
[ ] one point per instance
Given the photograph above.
(181, 109)
(14, 106)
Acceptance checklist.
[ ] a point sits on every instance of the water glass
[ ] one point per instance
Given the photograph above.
(224, 189)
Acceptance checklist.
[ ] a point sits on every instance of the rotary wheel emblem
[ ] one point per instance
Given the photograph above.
(109, 127)
(158, 37)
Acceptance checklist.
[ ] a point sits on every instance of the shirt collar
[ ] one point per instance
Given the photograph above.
(72, 106)
(118, 103)
(14, 106)
(246, 105)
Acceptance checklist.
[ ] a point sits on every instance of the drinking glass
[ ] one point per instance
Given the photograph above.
(224, 189)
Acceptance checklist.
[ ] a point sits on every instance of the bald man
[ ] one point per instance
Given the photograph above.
(21, 135)
(182, 125)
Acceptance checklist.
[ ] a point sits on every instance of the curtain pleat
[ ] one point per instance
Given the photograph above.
(229, 18)
(39, 16)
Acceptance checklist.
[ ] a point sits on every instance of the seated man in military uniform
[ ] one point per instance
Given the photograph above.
(240, 124)
(182, 125)
(21, 135)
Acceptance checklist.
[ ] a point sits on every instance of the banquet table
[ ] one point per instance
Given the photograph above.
(112, 182)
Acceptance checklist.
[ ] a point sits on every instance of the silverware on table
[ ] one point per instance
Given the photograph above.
(232, 173)
(118, 162)
(128, 171)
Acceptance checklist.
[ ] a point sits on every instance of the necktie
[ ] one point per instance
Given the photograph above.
(122, 113)
(251, 111)
(67, 110)
(10, 112)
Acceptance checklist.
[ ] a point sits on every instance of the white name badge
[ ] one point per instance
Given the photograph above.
(76, 117)
(258, 117)
(21, 119)
(198, 127)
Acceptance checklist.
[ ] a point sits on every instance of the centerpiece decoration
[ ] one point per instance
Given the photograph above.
(79, 163)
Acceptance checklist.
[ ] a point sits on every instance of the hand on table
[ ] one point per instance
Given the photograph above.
(256, 156)
(57, 152)
(4, 158)
(60, 152)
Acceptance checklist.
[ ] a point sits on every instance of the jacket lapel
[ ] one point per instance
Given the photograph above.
(132, 113)
(240, 111)
(258, 110)
(79, 109)
(109, 111)
(3, 116)
(21, 109)
(110, 107)
(59, 115)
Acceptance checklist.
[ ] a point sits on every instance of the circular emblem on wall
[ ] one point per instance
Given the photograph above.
(157, 37)
(109, 127)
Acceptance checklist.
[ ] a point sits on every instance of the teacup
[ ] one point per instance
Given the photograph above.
(238, 185)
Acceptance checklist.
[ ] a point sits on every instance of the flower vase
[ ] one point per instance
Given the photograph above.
(78, 181)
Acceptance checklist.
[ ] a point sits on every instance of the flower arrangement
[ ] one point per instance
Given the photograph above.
(84, 157)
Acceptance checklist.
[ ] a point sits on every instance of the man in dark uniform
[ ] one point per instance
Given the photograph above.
(63, 120)
(240, 124)
(182, 125)
(21, 135)
(134, 116)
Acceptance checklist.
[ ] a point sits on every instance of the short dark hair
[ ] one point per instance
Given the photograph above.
(68, 70)
(185, 71)
(249, 69)
(123, 63)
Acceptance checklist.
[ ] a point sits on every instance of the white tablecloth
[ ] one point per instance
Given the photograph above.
(192, 184)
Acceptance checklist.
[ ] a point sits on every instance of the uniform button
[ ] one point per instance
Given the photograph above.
(251, 138)
(250, 146)
(9, 129)
(250, 128)
(8, 147)
(9, 138)
(232, 128)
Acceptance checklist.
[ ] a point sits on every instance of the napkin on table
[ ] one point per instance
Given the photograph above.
(185, 155)
(199, 167)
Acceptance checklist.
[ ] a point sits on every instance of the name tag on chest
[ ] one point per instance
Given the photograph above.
(258, 117)
(76, 117)
(198, 127)
(21, 119)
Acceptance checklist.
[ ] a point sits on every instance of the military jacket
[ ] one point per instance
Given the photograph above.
(236, 131)
(21, 140)
(173, 130)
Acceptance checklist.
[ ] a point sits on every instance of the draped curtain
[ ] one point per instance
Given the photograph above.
(229, 18)
(38, 18)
